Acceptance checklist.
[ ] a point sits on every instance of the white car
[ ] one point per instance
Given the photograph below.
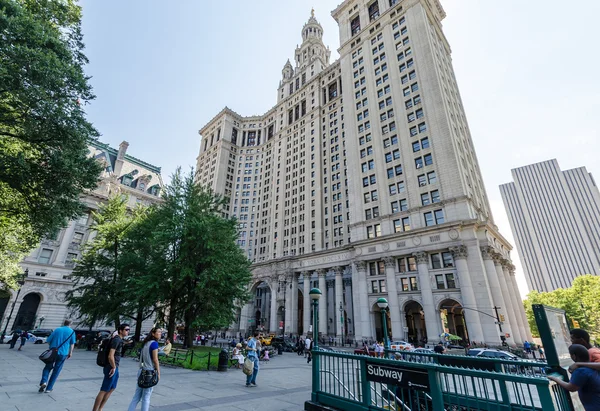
(401, 345)
(32, 339)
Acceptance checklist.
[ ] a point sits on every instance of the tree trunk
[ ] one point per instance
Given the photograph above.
(189, 335)
(171, 323)
(138, 323)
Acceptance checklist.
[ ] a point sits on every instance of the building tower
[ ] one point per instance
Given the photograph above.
(363, 181)
(555, 218)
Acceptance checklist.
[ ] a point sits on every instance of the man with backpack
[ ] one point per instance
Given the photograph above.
(63, 339)
(109, 355)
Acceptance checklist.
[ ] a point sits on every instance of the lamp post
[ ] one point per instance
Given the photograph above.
(21, 282)
(315, 294)
(382, 303)
(41, 321)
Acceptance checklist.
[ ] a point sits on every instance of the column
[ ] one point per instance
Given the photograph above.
(363, 306)
(273, 326)
(339, 287)
(244, 318)
(294, 304)
(392, 290)
(331, 314)
(322, 302)
(474, 328)
(513, 279)
(306, 319)
(432, 318)
(516, 303)
(65, 243)
(515, 335)
(487, 253)
(285, 288)
(349, 307)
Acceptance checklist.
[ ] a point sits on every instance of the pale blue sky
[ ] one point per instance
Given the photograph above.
(527, 72)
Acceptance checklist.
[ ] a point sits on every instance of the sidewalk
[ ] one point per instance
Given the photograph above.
(283, 384)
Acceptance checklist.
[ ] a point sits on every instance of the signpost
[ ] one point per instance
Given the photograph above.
(399, 376)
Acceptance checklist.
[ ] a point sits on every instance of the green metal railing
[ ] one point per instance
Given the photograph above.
(409, 383)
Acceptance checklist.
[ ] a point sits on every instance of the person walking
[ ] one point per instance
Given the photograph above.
(14, 338)
(582, 337)
(307, 344)
(63, 339)
(111, 369)
(24, 336)
(252, 356)
(148, 361)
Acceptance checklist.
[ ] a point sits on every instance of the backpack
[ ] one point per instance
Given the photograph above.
(103, 349)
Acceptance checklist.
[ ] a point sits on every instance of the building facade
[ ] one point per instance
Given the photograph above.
(363, 181)
(41, 300)
(555, 219)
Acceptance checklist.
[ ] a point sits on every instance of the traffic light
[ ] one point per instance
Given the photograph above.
(501, 317)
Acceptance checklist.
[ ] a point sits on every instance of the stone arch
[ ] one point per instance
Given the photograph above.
(259, 306)
(27, 314)
(453, 318)
(415, 321)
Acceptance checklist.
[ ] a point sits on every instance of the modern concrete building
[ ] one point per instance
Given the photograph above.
(555, 218)
(363, 180)
(41, 299)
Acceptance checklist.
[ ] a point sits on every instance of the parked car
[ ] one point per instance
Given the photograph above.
(286, 343)
(492, 353)
(266, 340)
(32, 339)
(401, 345)
(41, 332)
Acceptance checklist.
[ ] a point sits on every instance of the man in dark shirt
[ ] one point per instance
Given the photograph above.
(439, 349)
(111, 369)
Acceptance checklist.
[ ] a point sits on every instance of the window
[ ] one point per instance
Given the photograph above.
(414, 285)
(419, 162)
(374, 231)
(382, 286)
(416, 146)
(402, 225)
(435, 196)
(405, 286)
(425, 143)
(447, 259)
(45, 256)
(434, 217)
(425, 199)
(436, 261)
(450, 280)
(429, 219)
(439, 279)
(439, 216)
(77, 238)
(431, 177)
(377, 268)
(428, 159)
(374, 286)
(355, 25)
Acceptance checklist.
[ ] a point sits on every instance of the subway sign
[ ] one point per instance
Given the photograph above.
(401, 376)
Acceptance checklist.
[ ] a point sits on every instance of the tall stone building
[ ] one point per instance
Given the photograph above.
(363, 181)
(555, 218)
(41, 299)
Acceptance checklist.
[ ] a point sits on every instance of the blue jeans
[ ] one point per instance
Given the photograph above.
(142, 394)
(251, 379)
(55, 367)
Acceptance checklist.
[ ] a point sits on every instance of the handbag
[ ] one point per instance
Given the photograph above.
(49, 356)
(147, 378)
(248, 367)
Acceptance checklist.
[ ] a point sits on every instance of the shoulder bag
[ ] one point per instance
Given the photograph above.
(49, 356)
(147, 378)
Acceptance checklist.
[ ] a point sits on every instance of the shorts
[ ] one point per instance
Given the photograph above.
(109, 383)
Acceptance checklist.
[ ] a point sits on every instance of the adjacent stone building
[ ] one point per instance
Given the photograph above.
(363, 181)
(555, 218)
(41, 299)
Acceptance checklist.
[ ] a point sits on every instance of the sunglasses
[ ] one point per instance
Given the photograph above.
(127, 329)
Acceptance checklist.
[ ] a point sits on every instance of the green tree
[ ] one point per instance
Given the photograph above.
(100, 282)
(580, 302)
(202, 271)
(44, 164)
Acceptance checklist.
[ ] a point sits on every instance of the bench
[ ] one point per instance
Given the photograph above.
(177, 356)
(233, 361)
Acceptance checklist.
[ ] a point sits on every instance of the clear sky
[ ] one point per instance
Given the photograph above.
(527, 72)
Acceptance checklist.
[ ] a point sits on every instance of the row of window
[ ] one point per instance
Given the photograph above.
(430, 218)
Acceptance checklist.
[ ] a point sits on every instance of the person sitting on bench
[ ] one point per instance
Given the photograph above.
(237, 355)
(165, 349)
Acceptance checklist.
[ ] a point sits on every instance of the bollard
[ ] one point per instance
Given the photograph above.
(223, 358)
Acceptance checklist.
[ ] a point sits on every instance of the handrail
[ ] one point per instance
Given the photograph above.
(385, 401)
(340, 382)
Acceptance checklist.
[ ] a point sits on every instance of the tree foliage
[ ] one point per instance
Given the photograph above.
(581, 303)
(44, 164)
(179, 257)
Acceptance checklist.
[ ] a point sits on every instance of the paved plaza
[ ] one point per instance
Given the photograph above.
(283, 384)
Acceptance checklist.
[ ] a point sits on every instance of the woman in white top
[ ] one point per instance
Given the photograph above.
(148, 361)
(237, 354)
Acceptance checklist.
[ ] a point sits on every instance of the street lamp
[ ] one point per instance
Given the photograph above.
(41, 321)
(382, 303)
(315, 294)
(21, 282)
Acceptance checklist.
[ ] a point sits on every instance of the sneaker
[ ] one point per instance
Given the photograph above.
(48, 391)
(254, 384)
(42, 387)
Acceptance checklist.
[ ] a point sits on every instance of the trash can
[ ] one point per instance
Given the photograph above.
(280, 349)
(223, 358)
